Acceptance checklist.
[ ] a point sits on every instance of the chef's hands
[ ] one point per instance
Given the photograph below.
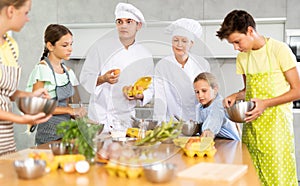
(110, 77)
(127, 89)
(259, 108)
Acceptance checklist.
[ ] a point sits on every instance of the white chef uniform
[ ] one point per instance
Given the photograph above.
(107, 102)
(174, 92)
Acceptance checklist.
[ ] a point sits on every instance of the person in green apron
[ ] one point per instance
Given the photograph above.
(13, 16)
(272, 82)
(60, 81)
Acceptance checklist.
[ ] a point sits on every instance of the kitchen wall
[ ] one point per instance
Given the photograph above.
(44, 12)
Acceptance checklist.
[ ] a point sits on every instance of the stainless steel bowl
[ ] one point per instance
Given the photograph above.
(151, 123)
(159, 173)
(237, 111)
(35, 105)
(190, 128)
(60, 148)
(29, 168)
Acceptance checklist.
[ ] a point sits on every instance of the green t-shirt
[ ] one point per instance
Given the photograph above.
(42, 72)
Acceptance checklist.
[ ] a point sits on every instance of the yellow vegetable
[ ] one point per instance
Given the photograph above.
(143, 82)
(139, 86)
(68, 158)
(134, 132)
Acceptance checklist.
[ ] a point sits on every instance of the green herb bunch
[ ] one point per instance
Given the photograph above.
(81, 132)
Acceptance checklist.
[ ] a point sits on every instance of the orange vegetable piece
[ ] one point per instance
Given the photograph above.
(117, 71)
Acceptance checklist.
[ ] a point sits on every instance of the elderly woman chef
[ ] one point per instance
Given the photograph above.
(174, 74)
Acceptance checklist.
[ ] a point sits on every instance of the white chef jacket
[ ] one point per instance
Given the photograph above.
(174, 91)
(107, 102)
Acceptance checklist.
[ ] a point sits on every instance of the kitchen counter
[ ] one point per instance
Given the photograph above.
(228, 152)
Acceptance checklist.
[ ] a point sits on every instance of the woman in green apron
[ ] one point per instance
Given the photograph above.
(13, 16)
(271, 81)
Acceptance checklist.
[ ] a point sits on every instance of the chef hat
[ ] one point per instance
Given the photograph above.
(185, 27)
(125, 10)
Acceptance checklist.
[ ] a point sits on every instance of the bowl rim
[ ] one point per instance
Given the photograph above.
(22, 163)
(169, 166)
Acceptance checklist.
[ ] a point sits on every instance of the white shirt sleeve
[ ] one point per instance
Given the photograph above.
(90, 70)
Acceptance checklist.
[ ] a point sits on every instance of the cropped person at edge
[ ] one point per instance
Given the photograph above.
(13, 16)
(271, 81)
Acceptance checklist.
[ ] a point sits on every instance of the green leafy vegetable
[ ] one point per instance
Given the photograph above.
(80, 132)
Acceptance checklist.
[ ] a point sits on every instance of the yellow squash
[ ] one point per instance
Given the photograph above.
(139, 86)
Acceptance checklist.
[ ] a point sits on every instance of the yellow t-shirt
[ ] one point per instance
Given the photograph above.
(279, 59)
(6, 54)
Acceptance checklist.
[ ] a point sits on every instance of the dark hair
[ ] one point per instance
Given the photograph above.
(53, 33)
(16, 3)
(209, 77)
(236, 21)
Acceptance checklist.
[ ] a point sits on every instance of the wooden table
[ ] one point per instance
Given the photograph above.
(229, 152)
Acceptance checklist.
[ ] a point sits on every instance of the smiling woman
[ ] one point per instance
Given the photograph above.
(174, 74)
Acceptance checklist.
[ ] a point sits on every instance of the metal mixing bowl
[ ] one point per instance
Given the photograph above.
(237, 111)
(35, 105)
(190, 128)
(60, 148)
(29, 168)
(159, 173)
(151, 123)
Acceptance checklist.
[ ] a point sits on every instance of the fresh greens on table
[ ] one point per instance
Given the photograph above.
(81, 133)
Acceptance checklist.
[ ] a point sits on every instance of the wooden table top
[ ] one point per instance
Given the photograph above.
(228, 152)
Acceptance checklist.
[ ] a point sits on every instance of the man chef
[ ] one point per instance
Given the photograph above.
(112, 62)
